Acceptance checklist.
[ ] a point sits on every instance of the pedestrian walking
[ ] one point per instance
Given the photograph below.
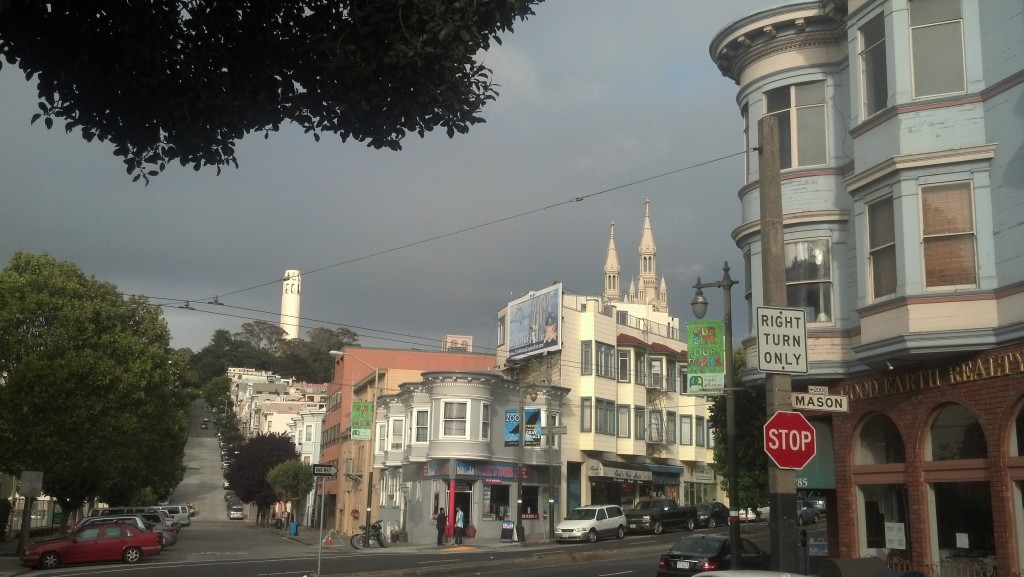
(460, 525)
(442, 523)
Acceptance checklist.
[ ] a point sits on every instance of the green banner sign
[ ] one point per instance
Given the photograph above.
(706, 352)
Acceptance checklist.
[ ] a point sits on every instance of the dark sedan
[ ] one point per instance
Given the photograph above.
(713, 514)
(699, 553)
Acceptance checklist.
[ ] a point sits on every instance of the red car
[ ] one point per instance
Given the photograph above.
(114, 542)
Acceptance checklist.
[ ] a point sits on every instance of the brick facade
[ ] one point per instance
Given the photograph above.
(990, 386)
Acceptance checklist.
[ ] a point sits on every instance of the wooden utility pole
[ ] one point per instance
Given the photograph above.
(785, 546)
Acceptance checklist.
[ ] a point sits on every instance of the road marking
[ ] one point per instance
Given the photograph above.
(619, 573)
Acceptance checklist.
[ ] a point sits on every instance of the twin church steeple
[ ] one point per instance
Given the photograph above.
(646, 289)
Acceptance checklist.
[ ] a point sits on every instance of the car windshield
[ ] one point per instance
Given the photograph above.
(646, 505)
(697, 546)
(581, 514)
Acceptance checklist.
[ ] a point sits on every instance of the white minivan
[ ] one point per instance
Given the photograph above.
(179, 513)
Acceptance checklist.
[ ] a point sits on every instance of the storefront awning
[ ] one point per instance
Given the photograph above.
(670, 469)
(618, 470)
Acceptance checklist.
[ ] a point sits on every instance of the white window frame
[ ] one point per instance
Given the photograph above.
(485, 422)
(936, 57)
(874, 66)
(420, 428)
(967, 189)
(873, 252)
(792, 124)
(622, 418)
(445, 419)
(382, 438)
(396, 439)
(686, 429)
(825, 284)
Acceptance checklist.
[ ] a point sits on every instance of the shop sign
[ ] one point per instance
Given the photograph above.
(706, 354)
(702, 472)
(599, 469)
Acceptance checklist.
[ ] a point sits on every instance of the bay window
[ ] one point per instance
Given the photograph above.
(882, 248)
(809, 278)
(800, 109)
(937, 47)
(947, 219)
(875, 83)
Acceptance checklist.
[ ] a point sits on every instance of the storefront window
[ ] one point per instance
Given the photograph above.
(886, 529)
(963, 531)
(497, 502)
(531, 498)
(1019, 433)
(880, 442)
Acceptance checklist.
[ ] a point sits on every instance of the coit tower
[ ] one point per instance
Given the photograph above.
(291, 292)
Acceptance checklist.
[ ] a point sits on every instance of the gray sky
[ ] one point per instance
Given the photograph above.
(595, 94)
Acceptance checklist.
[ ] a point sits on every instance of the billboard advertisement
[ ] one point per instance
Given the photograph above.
(362, 421)
(533, 427)
(706, 351)
(535, 323)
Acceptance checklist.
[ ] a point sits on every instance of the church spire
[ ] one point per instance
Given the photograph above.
(611, 269)
(648, 289)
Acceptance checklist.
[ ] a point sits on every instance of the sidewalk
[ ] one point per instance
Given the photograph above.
(9, 562)
(311, 537)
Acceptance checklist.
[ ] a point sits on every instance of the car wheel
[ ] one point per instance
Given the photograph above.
(711, 523)
(49, 560)
(132, 555)
(690, 525)
(657, 528)
(592, 536)
(621, 533)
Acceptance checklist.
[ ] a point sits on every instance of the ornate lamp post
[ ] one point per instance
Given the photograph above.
(700, 308)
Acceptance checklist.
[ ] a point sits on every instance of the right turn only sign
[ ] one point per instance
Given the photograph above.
(781, 340)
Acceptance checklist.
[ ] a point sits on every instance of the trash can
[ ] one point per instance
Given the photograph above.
(293, 529)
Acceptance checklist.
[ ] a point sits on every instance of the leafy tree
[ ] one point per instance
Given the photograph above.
(291, 481)
(88, 389)
(261, 334)
(224, 351)
(751, 414)
(184, 80)
(248, 473)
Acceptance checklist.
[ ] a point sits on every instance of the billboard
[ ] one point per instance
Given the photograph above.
(362, 421)
(533, 427)
(705, 349)
(535, 323)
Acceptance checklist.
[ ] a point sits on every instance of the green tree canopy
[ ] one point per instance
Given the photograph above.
(291, 481)
(89, 389)
(751, 414)
(183, 80)
(255, 458)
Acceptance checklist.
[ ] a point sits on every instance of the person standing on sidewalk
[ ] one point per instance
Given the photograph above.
(460, 525)
(442, 523)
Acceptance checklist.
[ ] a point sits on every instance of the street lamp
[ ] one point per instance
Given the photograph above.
(369, 472)
(520, 532)
(700, 308)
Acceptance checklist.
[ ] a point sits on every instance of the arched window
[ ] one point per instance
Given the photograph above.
(880, 442)
(956, 434)
(1018, 432)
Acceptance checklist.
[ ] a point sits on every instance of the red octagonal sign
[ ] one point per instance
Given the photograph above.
(789, 440)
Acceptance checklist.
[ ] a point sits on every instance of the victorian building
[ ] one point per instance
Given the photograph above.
(903, 197)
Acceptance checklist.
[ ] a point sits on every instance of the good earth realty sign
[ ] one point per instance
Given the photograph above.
(1008, 362)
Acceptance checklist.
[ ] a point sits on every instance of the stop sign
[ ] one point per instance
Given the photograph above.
(789, 440)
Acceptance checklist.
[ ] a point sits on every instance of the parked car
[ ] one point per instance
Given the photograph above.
(107, 542)
(712, 514)
(179, 513)
(167, 537)
(592, 522)
(204, 426)
(754, 514)
(658, 515)
(806, 513)
(236, 512)
(700, 553)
